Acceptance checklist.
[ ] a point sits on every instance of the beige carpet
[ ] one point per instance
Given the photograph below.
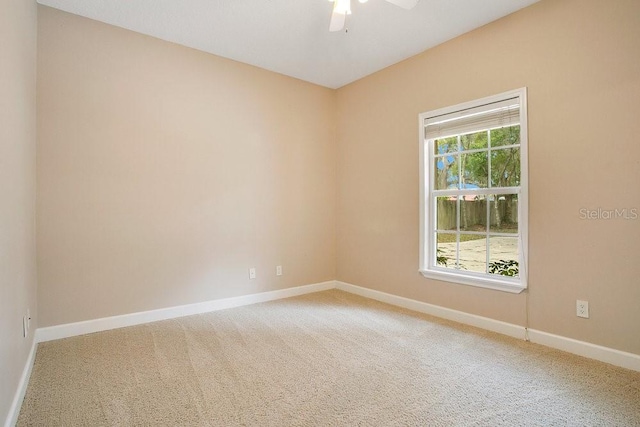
(325, 359)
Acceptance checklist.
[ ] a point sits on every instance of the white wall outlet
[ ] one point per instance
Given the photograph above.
(252, 273)
(25, 326)
(582, 309)
(278, 270)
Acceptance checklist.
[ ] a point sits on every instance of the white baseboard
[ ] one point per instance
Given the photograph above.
(581, 348)
(570, 345)
(585, 349)
(106, 323)
(436, 310)
(14, 410)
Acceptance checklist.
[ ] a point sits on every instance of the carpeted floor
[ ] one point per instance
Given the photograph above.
(324, 359)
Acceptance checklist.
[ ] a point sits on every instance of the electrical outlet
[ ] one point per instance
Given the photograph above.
(252, 273)
(278, 270)
(25, 326)
(582, 309)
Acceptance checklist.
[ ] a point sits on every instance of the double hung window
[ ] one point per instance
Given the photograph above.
(474, 192)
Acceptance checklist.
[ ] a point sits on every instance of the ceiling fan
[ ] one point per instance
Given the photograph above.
(342, 8)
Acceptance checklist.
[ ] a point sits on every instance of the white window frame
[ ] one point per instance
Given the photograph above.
(428, 265)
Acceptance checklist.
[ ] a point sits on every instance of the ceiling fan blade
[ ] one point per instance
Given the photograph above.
(405, 4)
(337, 19)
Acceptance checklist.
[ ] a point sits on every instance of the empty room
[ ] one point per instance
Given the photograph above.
(320, 213)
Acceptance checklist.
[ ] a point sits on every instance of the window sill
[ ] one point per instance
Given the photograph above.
(504, 285)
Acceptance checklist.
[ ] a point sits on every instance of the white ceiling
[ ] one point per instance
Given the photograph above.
(291, 37)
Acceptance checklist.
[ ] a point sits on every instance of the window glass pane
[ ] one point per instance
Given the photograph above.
(475, 167)
(445, 145)
(473, 252)
(503, 256)
(505, 167)
(446, 213)
(446, 250)
(446, 172)
(504, 213)
(505, 136)
(473, 213)
(474, 141)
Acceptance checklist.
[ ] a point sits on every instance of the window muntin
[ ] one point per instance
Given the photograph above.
(474, 195)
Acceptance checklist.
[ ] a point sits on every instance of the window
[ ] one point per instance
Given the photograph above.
(473, 188)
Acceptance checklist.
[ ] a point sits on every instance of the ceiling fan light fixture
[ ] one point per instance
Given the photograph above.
(343, 7)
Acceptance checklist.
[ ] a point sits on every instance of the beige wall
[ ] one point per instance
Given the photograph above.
(164, 173)
(580, 60)
(17, 190)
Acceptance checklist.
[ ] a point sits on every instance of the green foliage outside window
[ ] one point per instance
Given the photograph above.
(504, 268)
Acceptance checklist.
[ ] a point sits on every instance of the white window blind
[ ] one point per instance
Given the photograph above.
(489, 116)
